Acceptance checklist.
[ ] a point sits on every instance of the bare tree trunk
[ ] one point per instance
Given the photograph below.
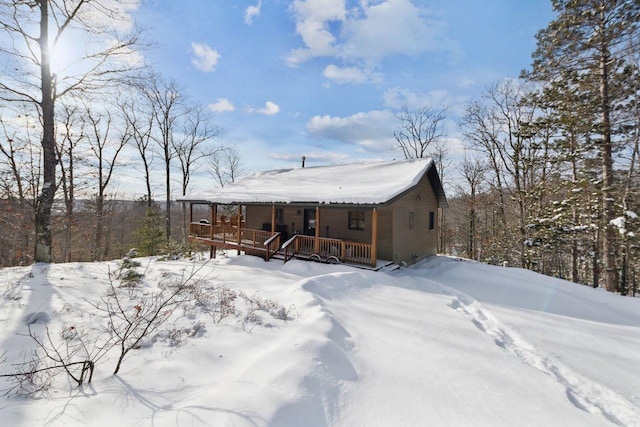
(45, 199)
(65, 149)
(97, 252)
(472, 229)
(167, 221)
(596, 259)
(106, 150)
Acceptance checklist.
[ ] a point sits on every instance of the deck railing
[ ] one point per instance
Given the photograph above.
(328, 250)
(321, 249)
(272, 245)
(227, 233)
(198, 229)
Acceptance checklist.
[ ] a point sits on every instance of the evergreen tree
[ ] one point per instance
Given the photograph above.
(589, 42)
(150, 234)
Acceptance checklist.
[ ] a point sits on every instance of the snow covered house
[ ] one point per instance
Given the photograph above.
(362, 213)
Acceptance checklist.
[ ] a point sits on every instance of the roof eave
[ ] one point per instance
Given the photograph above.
(436, 184)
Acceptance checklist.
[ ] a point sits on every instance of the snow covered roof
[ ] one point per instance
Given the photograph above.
(357, 183)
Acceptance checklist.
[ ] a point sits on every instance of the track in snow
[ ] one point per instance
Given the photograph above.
(581, 392)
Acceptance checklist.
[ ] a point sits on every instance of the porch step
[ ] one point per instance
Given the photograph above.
(390, 266)
(278, 255)
(384, 266)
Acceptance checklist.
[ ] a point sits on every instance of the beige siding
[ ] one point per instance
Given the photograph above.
(385, 234)
(336, 218)
(338, 222)
(399, 240)
(258, 215)
(413, 242)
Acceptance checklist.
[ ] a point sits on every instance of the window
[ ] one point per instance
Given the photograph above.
(356, 220)
(279, 215)
(432, 220)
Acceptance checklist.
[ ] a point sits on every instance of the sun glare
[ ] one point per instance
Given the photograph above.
(61, 58)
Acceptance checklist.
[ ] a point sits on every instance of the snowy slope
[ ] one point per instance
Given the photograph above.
(447, 342)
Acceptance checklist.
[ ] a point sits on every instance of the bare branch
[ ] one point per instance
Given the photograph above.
(418, 129)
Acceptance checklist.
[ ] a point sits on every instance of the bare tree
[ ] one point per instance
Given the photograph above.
(226, 165)
(167, 105)
(440, 155)
(419, 129)
(106, 148)
(192, 147)
(70, 135)
(140, 118)
(501, 128)
(10, 150)
(34, 32)
(19, 185)
(472, 170)
(483, 133)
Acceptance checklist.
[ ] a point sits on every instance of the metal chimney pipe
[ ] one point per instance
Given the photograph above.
(303, 159)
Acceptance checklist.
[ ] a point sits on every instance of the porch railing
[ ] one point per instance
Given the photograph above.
(272, 245)
(229, 234)
(321, 249)
(198, 229)
(329, 250)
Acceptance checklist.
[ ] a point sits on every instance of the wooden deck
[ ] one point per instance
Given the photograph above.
(224, 236)
(267, 244)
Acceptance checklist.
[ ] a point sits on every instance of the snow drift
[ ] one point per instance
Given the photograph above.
(446, 342)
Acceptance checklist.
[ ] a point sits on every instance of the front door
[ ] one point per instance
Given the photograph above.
(310, 222)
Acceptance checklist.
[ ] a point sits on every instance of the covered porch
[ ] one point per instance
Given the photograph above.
(232, 233)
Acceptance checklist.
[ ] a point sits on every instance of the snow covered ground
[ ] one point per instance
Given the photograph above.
(445, 343)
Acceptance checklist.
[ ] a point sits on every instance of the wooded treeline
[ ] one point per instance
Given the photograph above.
(550, 176)
(549, 179)
(70, 123)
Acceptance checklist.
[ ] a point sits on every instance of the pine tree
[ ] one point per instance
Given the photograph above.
(588, 41)
(150, 234)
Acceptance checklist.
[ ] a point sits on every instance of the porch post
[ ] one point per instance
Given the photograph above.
(273, 219)
(239, 230)
(189, 228)
(212, 218)
(374, 237)
(316, 240)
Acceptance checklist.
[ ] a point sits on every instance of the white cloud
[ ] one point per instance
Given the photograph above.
(312, 24)
(367, 33)
(372, 130)
(270, 109)
(113, 14)
(221, 105)
(408, 30)
(205, 58)
(251, 12)
(350, 74)
(466, 83)
(397, 98)
(126, 55)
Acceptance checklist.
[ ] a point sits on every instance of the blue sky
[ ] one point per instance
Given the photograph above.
(325, 78)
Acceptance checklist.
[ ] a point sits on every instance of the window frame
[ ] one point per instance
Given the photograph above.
(354, 222)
